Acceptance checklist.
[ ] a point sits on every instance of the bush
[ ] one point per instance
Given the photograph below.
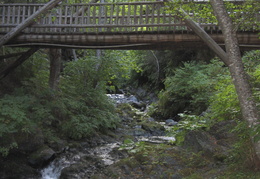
(87, 107)
(189, 88)
(224, 103)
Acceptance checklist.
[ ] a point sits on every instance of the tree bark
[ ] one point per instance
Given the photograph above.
(236, 68)
(55, 66)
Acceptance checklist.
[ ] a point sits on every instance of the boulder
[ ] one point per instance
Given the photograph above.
(15, 167)
(29, 142)
(85, 168)
(198, 141)
(41, 157)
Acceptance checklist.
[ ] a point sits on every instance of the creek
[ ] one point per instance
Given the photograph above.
(87, 159)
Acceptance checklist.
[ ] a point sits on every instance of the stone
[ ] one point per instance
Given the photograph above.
(170, 122)
(41, 157)
(132, 98)
(28, 143)
(150, 119)
(202, 141)
(138, 105)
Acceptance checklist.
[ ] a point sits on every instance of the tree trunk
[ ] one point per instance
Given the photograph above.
(55, 66)
(236, 68)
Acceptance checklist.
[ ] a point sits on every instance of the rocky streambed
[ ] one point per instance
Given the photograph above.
(84, 159)
(138, 148)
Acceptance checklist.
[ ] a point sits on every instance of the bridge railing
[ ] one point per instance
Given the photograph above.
(97, 18)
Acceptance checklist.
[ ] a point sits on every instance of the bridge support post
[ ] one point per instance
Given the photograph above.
(55, 66)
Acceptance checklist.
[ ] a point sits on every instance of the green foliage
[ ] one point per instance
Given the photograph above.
(84, 118)
(224, 103)
(187, 123)
(13, 116)
(4, 151)
(243, 14)
(18, 114)
(87, 108)
(189, 88)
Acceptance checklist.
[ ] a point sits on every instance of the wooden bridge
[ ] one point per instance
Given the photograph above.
(131, 25)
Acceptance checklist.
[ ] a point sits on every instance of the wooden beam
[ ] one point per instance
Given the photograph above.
(11, 55)
(17, 63)
(123, 39)
(205, 37)
(28, 21)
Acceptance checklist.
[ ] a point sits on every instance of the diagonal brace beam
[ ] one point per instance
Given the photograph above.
(205, 37)
(17, 63)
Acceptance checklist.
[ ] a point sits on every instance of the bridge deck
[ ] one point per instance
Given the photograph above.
(98, 25)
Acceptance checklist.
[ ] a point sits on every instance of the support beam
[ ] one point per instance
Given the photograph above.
(205, 37)
(11, 55)
(28, 21)
(18, 62)
(55, 67)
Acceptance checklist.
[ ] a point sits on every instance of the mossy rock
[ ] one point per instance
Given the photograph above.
(41, 157)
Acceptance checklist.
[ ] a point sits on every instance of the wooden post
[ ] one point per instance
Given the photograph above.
(28, 21)
(55, 66)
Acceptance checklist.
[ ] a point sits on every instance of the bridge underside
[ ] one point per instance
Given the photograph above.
(135, 41)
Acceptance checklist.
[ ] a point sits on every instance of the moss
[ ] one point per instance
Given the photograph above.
(195, 176)
(151, 126)
(130, 162)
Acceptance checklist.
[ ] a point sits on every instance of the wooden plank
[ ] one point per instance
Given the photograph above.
(8, 17)
(100, 25)
(27, 22)
(24, 9)
(3, 18)
(111, 20)
(66, 15)
(153, 12)
(94, 15)
(117, 17)
(105, 14)
(82, 15)
(19, 15)
(71, 14)
(135, 17)
(13, 15)
(88, 15)
(34, 11)
(119, 38)
(158, 18)
(128, 20)
(123, 18)
(141, 16)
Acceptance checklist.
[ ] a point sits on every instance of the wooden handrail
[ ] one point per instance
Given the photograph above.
(117, 17)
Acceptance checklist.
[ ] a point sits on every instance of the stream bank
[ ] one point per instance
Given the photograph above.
(138, 148)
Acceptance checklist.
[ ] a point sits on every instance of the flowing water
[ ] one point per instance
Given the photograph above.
(53, 170)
